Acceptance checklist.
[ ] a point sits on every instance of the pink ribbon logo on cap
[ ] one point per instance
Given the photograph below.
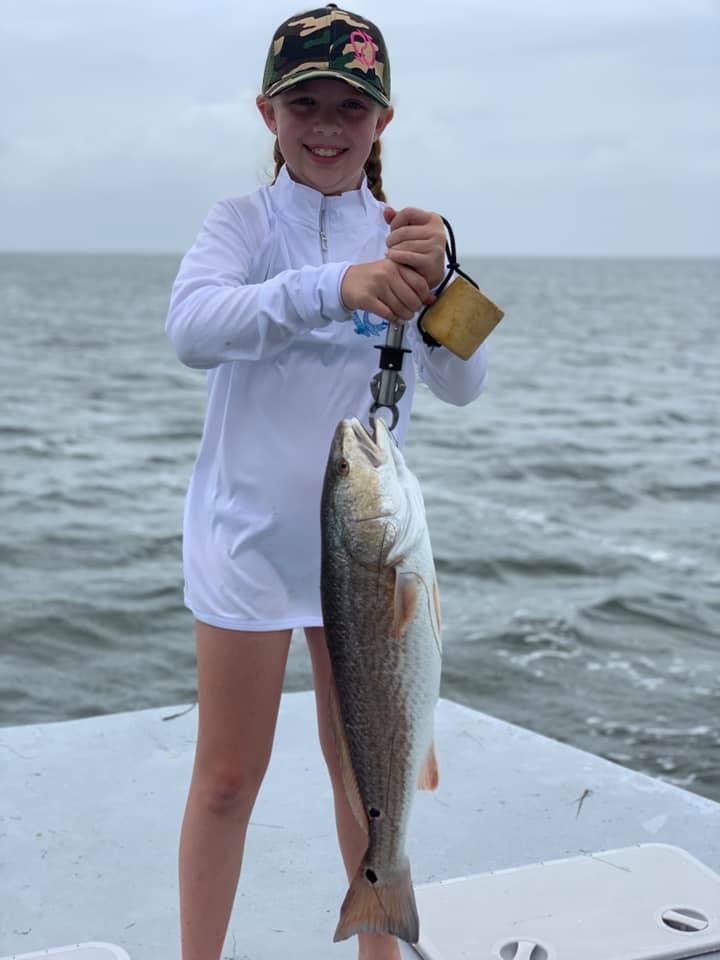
(364, 47)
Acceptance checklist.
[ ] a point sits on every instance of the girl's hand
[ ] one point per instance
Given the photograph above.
(417, 240)
(386, 289)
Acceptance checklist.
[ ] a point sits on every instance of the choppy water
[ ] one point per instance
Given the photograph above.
(573, 509)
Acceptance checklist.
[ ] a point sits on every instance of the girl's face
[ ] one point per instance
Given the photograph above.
(326, 129)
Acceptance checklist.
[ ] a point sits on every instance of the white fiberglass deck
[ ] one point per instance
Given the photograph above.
(90, 814)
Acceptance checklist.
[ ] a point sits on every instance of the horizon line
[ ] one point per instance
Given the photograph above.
(481, 256)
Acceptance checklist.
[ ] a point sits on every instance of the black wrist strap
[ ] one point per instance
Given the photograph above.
(453, 267)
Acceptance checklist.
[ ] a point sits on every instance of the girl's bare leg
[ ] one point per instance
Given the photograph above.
(240, 679)
(353, 842)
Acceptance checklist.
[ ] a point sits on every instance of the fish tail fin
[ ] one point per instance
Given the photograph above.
(385, 906)
(429, 777)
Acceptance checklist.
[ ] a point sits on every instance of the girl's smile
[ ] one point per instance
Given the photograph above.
(325, 130)
(325, 154)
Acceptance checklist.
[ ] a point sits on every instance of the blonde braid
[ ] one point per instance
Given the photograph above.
(373, 172)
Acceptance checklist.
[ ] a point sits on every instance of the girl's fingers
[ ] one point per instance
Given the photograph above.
(395, 298)
(405, 293)
(415, 280)
(404, 234)
(395, 291)
(418, 261)
(429, 266)
(410, 215)
(421, 265)
(417, 246)
(401, 311)
(380, 309)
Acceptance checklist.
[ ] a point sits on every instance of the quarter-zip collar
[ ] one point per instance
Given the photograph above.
(296, 201)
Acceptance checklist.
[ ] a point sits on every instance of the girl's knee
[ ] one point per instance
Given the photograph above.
(229, 789)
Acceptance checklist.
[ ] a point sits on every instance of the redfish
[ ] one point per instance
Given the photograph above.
(381, 612)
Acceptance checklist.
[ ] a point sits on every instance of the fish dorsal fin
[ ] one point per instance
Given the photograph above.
(429, 777)
(343, 753)
(406, 600)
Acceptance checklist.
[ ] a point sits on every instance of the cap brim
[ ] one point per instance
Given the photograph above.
(302, 75)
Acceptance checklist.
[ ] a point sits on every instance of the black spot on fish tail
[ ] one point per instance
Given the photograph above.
(374, 812)
(371, 876)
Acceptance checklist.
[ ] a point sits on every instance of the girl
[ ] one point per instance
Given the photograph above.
(281, 299)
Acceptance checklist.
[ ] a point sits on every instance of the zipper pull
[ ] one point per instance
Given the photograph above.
(323, 235)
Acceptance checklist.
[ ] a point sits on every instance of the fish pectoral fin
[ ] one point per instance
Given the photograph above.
(386, 906)
(406, 601)
(429, 776)
(343, 753)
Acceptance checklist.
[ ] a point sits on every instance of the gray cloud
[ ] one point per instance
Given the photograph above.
(539, 129)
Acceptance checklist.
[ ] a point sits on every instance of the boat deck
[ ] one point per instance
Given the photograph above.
(90, 816)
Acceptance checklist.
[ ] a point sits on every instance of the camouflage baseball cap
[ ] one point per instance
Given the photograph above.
(328, 42)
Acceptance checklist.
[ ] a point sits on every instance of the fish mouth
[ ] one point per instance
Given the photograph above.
(374, 453)
(376, 456)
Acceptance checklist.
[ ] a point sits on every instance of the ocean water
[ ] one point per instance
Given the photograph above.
(573, 509)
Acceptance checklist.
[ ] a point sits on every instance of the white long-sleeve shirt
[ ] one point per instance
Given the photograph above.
(257, 304)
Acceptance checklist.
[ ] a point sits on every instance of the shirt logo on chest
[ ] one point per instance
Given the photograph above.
(364, 325)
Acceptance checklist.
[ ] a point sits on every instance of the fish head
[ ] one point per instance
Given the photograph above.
(369, 496)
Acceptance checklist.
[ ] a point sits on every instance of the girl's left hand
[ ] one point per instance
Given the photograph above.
(417, 240)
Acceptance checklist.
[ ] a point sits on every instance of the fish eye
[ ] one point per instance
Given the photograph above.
(343, 467)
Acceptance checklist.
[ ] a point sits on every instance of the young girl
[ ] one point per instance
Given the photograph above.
(281, 299)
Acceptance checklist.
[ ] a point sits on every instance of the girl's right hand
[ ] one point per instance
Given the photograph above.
(385, 288)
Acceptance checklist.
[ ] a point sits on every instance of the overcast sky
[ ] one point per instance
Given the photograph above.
(536, 127)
